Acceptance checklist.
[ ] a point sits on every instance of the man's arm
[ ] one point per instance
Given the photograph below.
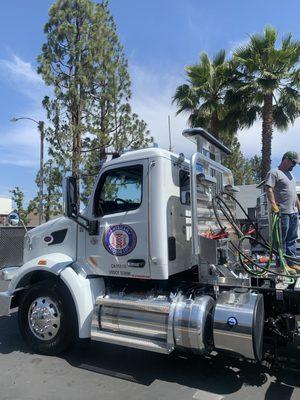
(271, 198)
(297, 203)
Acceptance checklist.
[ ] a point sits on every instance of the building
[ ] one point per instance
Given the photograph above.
(5, 209)
(247, 197)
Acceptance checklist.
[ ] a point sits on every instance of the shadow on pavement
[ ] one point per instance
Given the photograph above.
(276, 391)
(217, 374)
(10, 337)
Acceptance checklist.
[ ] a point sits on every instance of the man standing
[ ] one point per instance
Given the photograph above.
(282, 195)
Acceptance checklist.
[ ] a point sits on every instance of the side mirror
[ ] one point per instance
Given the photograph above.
(70, 197)
(71, 209)
(13, 218)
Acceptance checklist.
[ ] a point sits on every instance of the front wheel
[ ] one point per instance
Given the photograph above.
(47, 318)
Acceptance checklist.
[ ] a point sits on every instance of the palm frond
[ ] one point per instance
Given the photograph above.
(199, 118)
(219, 58)
(185, 98)
(205, 61)
(294, 78)
(270, 36)
(280, 118)
(286, 41)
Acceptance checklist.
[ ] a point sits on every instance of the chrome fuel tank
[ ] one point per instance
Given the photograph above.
(156, 323)
(239, 322)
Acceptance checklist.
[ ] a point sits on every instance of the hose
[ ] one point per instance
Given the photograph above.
(218, 201)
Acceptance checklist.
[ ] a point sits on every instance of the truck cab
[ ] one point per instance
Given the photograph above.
(141, 211)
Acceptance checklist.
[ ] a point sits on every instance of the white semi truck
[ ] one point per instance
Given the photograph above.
(140, 267)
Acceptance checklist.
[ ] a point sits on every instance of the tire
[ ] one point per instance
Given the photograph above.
(47, 318)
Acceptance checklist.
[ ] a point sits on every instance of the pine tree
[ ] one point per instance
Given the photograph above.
(52, 196)
(255, 166)
(236, 162)
(246, 171)
(85, 64)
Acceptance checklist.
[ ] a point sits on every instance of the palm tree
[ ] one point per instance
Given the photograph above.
(203, 97)
(268, 79)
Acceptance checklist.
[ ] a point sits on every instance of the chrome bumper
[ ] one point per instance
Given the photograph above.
(5, 301)
(8, 273)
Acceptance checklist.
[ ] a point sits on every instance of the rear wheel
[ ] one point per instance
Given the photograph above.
(47, 318)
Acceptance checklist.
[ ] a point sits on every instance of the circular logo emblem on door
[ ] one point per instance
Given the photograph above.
(119, 240)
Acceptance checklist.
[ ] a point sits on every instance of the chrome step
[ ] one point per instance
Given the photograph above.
(129, 341)
(141, 305)
(152, 316)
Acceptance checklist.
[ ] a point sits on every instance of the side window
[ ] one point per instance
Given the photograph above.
(119, 190)
(184, 182)
(208, 154)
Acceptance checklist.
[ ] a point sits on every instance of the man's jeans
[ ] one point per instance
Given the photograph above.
(289, 234)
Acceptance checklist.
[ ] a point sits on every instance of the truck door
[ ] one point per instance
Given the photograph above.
(121, 206)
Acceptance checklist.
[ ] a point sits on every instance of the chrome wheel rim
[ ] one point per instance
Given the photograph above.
(44, 318)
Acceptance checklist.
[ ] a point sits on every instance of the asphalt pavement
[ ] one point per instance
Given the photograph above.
(108, 372)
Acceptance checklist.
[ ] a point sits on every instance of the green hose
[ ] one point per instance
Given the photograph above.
(262, 270)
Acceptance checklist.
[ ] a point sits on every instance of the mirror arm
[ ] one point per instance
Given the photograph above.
(22, 222)
(91, 226)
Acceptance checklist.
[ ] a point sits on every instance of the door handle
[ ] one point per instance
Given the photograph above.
(136, 263)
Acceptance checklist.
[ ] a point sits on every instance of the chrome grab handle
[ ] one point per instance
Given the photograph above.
(136, 263)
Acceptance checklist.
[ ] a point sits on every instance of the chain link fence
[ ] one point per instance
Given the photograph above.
(11, 246)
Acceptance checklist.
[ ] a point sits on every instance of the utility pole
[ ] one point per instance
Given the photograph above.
(41, 129)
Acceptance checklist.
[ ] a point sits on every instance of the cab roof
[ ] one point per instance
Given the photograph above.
(142, 153)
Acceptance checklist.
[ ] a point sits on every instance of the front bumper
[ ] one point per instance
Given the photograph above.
(6, 275)
(5, 301)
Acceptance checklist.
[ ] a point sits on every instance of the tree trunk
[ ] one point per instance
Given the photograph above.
(214, 125)
(267, 129)
(47, 208)
(76, 158)
(116, 145)
(77, 112)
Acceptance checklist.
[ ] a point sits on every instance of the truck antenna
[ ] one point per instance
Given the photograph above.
(170, 142)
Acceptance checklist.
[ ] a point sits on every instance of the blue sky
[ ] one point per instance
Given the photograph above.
(160, 37)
